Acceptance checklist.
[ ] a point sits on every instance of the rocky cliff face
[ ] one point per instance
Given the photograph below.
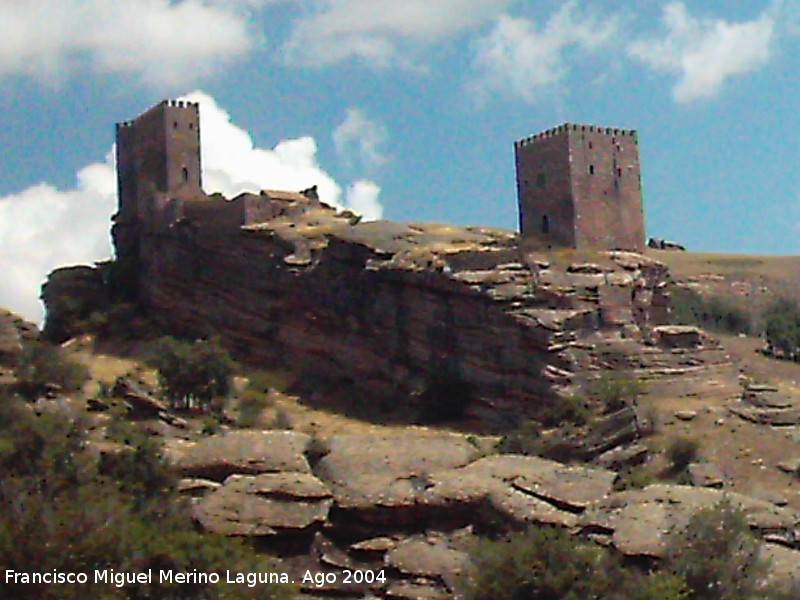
(397, 309)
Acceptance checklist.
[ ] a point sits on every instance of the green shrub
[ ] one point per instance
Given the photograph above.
(634, 478)
(718, 556)
(282, 420)
(681, 452)
(266, 381)
(559, 410)
(43, 364)
(716, 313)
(251, 404)
(526, 439)
(211, 425)
(61, 513)
(782, 327)
(549, 564)
(614, 391)
(193, 374)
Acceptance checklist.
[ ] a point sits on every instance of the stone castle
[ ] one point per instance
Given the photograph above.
(393, 308)
(579, 186)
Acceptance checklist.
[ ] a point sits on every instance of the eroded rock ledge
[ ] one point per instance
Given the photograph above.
(409, 503)
(392, 308)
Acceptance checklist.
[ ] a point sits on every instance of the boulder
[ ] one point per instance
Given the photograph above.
(791, 466)
(416, 590)
(679, 336)
(243, 452)
(623, 457)
(784, 567)
(388, 471)
(706, 475)
(70, 296)
(196, 487)
(139, 397)
(642, 522)
(430, 556)
(686, 415)
(265, 505)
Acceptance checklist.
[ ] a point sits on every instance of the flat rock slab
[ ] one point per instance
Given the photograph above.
(519, 509)
(243, 452)
(388, 470)
(523, 489)
(374, 546)
(569, 488)
(791, 465)
(642, 522)
(766, 416)
(264, 505)
(430, 556)
(289, 485)
(197, 487)
(623, 457)
(409, 590)
(706, 475)
(784, 566)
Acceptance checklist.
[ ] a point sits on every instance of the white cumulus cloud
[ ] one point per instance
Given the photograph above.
(358, 140)
(42, 227)
(380, 32)
(520, 59)
(162, 42)
(362, 197)
(705, 52)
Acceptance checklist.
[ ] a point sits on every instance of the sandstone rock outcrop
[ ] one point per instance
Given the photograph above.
(240, 452)
(269, 504)
(13, 332)
(71, 295)
(407, 504)
(393, 309)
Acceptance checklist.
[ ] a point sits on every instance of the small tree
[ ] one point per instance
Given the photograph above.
(43, 364)
(547, 563)
(681, 452)
(193, 374)
(615, 391)
(782, 326)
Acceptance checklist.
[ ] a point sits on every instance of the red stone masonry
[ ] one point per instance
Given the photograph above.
(579, 186)
(158, 153)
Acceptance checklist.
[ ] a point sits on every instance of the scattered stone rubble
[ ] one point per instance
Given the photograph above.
(766, 405)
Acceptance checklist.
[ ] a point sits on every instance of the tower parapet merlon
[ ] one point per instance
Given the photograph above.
(181, 104)
(566, 127)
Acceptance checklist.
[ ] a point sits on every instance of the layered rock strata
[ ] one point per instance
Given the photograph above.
(409, 504)
(394, 308)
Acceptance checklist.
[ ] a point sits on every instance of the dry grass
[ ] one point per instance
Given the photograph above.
(693, 264)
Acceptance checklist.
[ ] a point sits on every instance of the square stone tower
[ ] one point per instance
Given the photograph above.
(579, 186)
(158, 159)
(158, 168)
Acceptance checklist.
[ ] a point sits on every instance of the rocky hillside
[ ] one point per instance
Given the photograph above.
(403, 311)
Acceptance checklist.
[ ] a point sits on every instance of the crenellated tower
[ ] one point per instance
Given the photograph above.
(158, 168)
(579, 186)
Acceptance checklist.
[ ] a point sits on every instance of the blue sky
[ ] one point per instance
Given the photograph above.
(405, 109)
